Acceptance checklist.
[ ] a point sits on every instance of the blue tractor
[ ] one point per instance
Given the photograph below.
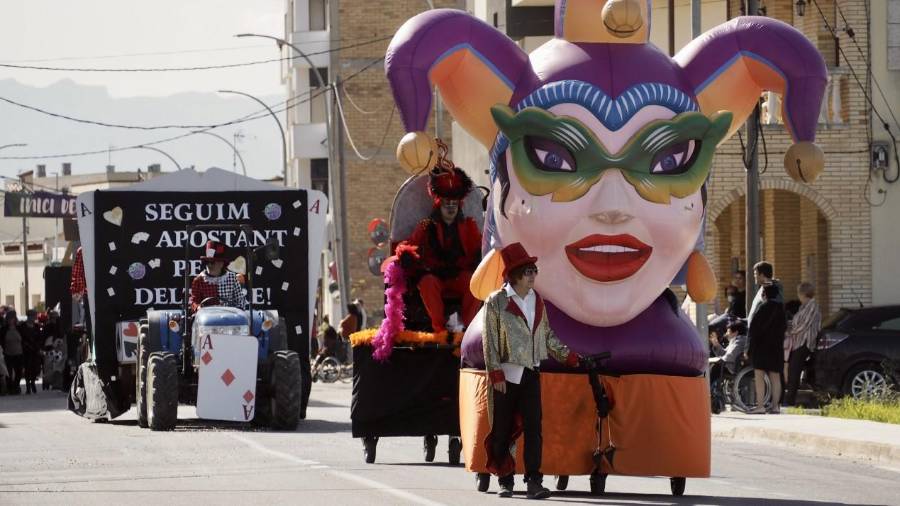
(233, 364)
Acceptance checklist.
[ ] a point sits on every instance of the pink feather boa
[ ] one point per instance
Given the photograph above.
(383, 342)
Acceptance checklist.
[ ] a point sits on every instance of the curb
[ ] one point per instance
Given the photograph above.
(876, 453)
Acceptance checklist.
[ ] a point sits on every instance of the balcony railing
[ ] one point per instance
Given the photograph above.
(833, 112)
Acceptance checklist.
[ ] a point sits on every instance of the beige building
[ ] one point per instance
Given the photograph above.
(46, 242)
(885, 60)
(372, 125)
(841, 232)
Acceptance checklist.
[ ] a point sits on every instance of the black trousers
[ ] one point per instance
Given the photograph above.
(15, 365)
(524, 398)
(796, 363)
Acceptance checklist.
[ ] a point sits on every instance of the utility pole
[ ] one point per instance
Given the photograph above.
(339, 208)
(337, 171)
(25, 302)
(671, 12)
(701, 310)
(752, 201)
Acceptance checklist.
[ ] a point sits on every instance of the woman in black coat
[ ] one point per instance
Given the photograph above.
(766, 348)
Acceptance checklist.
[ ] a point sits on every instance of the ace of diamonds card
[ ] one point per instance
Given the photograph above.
(226, 382)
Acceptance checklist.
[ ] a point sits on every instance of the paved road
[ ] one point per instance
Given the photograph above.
(50, 456)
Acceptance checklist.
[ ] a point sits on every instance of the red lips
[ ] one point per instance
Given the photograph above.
(608, 257)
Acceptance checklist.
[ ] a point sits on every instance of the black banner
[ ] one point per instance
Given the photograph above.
(39, 205)
(140, 239)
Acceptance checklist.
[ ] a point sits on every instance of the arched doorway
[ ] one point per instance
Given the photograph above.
(793, 237)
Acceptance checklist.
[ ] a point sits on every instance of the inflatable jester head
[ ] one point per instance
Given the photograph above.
(600, 144)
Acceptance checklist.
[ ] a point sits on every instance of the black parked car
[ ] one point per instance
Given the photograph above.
(852, 346)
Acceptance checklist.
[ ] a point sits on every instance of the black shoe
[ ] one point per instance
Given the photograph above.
(430, 445)
(537, 491)
(506, 489)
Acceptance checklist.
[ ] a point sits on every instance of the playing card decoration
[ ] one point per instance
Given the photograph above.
(126, 341)
(226, 386)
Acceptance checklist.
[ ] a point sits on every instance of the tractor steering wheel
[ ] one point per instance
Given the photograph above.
(209, 301)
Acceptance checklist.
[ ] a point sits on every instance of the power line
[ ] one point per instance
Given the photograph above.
(287, 105)
(185, 69)
(123, 126)
(244, 119)
(182, 51)
(852, 35)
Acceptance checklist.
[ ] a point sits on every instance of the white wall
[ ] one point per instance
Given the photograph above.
(12, 278)
(885, 223)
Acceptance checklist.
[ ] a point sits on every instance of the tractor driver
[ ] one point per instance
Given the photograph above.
(216, 282)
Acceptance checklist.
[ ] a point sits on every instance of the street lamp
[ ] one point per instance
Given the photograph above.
(232, 146)
(336, 180)
(318, 75)
(24, 230)
(167, 155)
(280, 130)
(801, 8)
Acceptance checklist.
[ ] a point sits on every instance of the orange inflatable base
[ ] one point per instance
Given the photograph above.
(660, 425)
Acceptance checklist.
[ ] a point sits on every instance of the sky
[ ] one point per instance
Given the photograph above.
(128, 34)
(93, 33)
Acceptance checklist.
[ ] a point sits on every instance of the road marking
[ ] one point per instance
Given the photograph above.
(368, 482)
(381, 487)
(274, 453)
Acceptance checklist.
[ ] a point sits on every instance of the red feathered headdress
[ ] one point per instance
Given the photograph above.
(451, 183)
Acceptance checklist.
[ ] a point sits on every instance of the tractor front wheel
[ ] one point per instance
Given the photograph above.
(162, 391)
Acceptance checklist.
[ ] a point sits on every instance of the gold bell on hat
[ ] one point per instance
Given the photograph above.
(417, 152)
(622, 18)
(804, 161)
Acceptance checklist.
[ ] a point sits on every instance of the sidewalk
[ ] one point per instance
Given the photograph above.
(877, 443)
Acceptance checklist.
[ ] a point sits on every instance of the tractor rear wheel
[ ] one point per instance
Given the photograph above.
(285, 390)
(162, 391)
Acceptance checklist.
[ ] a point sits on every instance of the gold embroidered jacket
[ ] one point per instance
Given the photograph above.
(507, 339)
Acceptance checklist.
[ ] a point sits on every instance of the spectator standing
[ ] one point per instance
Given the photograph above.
(764, 274)
(12, 348)
(4, 372)
(804, 330)
(766, 347)
(349, 325)
(363, 315)
(31, 348)
(737, 302)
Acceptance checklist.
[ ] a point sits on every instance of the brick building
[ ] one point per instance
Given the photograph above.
(371, 122)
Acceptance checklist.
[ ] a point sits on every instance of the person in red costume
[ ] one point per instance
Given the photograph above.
(449, 244)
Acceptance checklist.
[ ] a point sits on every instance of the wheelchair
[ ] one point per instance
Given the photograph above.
(736, 387)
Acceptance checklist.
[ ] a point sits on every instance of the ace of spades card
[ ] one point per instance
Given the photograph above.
(226, 384)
